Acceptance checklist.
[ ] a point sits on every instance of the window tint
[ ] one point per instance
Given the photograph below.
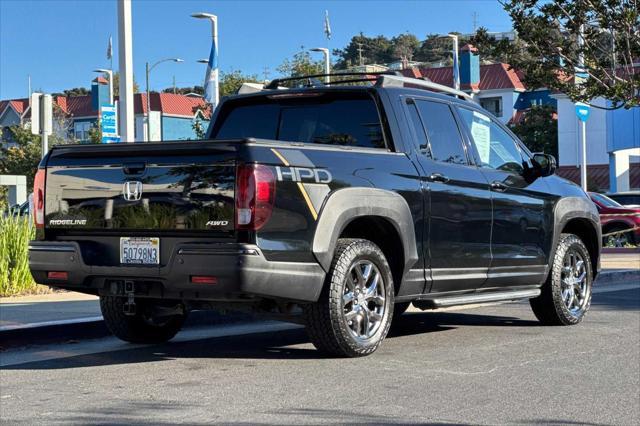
(421, 137)
(250, 121)
(337, 121)
(496, 148)
(442, 132)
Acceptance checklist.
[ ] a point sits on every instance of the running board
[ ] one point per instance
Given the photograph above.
(467, 299)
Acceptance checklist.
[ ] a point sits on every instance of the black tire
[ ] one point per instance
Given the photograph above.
(141, 327)
(551, 306)
(326, 320)
(400, 308)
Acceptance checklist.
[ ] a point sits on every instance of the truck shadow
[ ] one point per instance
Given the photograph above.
(292, 344)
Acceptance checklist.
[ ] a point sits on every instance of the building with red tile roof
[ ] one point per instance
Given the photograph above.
(172, 114)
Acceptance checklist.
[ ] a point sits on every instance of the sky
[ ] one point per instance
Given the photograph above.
(60, 42)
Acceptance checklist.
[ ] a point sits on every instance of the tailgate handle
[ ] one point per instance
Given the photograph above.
(133, 168)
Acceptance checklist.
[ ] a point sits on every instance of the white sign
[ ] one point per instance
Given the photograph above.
(41, 114)
(481, 133)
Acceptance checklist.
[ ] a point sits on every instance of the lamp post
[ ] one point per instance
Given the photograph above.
(327, 61)
(214, 51)
(456, 69)
(148, 70)
(110, 74)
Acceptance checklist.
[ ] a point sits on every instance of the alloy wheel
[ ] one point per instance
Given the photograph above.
(363, 299)
(575, 283)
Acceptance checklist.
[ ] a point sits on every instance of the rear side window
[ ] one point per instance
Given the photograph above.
(347, 120)
(444, 138)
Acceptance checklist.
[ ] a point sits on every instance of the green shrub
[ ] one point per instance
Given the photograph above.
(15, 233)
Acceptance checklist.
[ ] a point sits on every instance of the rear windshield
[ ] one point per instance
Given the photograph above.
(334, 119)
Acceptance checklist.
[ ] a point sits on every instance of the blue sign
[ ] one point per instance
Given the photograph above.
(109, 124)
(582, 111)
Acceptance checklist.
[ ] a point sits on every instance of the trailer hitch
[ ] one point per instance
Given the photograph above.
(129, 307)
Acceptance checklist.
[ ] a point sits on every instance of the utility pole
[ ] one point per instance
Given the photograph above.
(474, 16)
(360, 54)
(174, 84)
(125, 61)
(265, 73)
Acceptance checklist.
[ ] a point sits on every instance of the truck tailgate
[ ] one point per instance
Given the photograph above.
(170, 186)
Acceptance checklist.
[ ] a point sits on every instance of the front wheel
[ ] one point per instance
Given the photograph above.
(353, 315)
(566, 295)
(141, 327)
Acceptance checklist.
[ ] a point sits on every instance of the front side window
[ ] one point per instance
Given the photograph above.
(496, 148)
(347, 120)
(444, 138)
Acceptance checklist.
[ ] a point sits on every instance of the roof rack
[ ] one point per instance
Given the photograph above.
(312, 79)
(382, 78)
(393, 80)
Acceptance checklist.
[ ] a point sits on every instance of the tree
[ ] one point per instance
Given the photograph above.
(23, 157)
(538, 129)
(300, 64)
(375, 50)
(550, 46)
(404, 46)
(185, 90)
(116, 84)
(231, 81)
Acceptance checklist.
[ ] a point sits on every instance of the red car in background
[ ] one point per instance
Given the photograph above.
(615, 217)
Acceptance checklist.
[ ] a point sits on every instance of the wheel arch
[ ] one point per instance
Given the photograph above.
(368, 213)
(579, 216)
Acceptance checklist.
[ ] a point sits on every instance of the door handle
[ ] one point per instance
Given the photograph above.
(438, 177)
(498, 186)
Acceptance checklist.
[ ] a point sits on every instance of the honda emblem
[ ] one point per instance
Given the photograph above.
(132, 190)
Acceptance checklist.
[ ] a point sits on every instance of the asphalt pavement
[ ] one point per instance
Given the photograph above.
(486, 365)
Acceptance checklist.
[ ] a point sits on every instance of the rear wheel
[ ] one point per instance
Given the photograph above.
(143, 326)
(353, 315)
(566, 296)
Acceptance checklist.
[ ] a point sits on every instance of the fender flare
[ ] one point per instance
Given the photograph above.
(345, 205)
(570, 208)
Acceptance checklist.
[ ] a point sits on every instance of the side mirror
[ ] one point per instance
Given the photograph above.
(544, 164)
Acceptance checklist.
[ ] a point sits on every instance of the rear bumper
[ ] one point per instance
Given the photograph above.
(241, 272)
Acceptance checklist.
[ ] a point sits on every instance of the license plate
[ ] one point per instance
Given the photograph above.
(140, 250)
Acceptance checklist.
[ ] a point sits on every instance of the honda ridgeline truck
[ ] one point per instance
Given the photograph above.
(334, 205)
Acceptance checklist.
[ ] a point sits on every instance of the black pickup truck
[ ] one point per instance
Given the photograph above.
(335, 205)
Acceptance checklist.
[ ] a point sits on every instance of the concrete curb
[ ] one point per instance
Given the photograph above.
(619, 275)
(93, 328)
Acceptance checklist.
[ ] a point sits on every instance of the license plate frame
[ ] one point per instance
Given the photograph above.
(144, 251)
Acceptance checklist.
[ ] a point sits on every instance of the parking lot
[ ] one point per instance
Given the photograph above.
(490, 365)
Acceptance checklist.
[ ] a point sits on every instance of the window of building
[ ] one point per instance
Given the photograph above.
(493, 105)
(443, 135)
(81, 130)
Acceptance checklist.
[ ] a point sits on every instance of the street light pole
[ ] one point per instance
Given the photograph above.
(327, 62)
(214, 50)
(456, 68)
(148, 70)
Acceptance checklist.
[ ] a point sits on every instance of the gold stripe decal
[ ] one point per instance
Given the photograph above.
(300, 186)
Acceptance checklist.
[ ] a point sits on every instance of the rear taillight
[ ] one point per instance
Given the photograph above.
(38, 198)
(255, 195)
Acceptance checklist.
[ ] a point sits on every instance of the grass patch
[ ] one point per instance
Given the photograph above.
(15, 278)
